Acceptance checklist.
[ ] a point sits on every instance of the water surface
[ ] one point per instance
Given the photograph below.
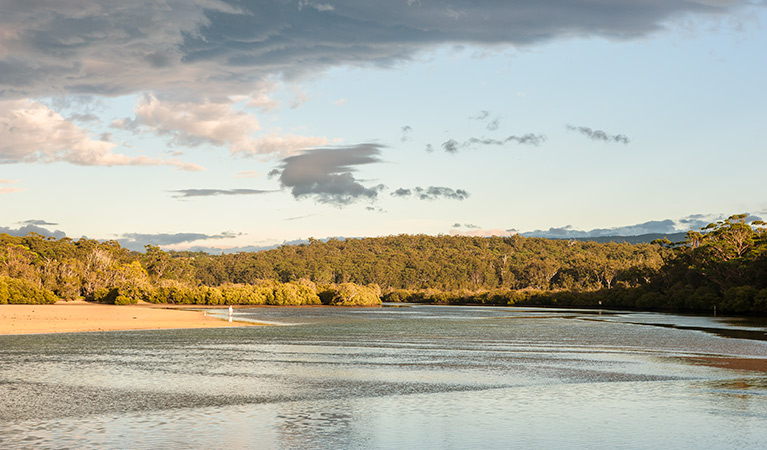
(407, 377)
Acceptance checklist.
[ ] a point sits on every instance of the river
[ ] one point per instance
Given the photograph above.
(417, 376)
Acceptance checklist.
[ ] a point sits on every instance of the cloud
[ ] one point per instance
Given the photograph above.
(483, 117)
(187, 193)
(402, 192)
(137, 241)
(480, 232)
(666, 226)
(599, 135)
(78, 117)
(248, 174)
(326, 174)
(453, 146)
(215, 123)
(32, 228)
(318, 6)
(466, 225)
(260, 99)
(7, 189)
(432, 193)
(650, 227)
(113, 47)
(37, 222)
(406, 130)
(32, 132)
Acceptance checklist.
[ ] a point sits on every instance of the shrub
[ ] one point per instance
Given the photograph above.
(20, 291)
(349, 294)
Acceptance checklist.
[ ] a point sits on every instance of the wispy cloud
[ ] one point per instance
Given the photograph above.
(465, 225)
(484, 116)
(248, 174)
(38, 222)
(453, 146)
(8, 189)
(188, 193)
(431, 193)
(599, 135)
(406, 131)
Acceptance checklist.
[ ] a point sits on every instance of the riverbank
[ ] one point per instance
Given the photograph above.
(80, 316)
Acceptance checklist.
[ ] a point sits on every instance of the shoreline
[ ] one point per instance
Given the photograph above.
(80, 316)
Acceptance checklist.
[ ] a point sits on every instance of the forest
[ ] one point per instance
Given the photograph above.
(721, 267)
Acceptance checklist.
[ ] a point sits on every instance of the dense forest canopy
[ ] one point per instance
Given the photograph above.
(723, 265)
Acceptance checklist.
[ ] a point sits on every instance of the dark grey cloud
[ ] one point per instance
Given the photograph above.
(327, 174)
(402, 192)
(453, 146)
(188, 193)
(33, 228)
(429, 148)
(432, 193)
(599, 135)
(49, 46)
(37, 222)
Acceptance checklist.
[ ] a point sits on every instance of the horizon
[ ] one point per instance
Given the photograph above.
(224, 125)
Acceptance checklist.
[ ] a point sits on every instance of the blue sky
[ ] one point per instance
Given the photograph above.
(240, 124)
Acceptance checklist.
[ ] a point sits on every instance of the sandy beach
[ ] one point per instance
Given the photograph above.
(80, 316)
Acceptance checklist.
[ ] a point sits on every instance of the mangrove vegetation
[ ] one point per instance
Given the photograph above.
(722, 266)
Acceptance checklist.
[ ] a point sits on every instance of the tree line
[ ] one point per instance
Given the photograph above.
(722, 266)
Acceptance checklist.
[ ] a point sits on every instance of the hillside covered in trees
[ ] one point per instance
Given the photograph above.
(723, 266)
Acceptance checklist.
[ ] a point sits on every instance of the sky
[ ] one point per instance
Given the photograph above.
(229, 125)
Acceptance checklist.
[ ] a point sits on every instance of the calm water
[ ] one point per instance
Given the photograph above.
(409, 377)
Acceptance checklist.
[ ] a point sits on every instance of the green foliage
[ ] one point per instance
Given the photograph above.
(350, 294)
(723, 265)
(19, 291)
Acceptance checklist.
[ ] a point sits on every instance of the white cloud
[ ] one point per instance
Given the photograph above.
(217, 123)
(260, 99)
(32, 132)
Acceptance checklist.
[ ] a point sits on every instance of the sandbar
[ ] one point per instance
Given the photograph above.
(80, 316)
(735, 363)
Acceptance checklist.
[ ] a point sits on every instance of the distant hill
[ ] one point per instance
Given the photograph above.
(640, 239)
